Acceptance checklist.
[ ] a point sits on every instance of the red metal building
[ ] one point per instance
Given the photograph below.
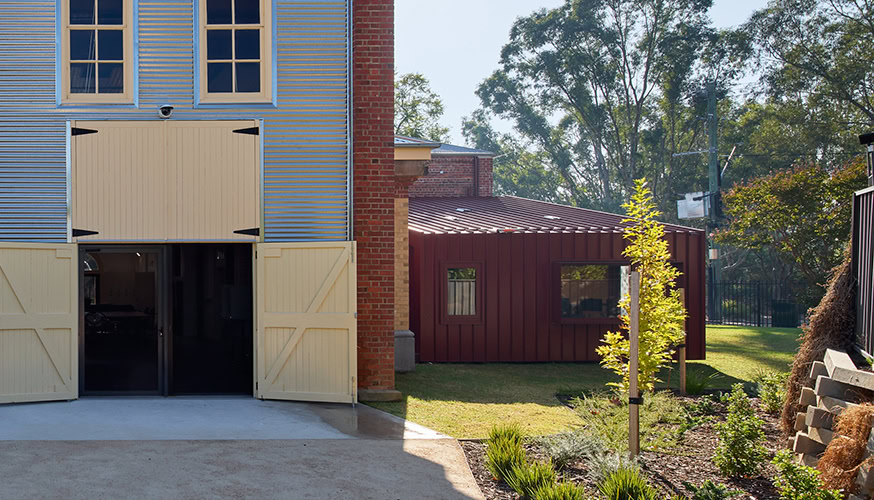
(505, 279)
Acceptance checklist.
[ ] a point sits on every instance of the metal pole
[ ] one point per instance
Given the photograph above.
(713, 167)
(634, 399)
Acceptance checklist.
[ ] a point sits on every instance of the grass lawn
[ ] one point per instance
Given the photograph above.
(466, 400)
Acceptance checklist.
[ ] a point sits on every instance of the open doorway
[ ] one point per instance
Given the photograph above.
(166, 319)
(211, 310)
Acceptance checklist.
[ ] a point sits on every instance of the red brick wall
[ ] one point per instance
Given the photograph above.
(374, 187)
(456, 178)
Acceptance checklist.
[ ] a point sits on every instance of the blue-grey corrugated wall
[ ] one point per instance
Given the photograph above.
(305, 135)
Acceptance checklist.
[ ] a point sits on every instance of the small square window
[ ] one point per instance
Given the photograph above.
(110, 12)
(81, 11)
(592, 291)
(82, 79)
(82, 46)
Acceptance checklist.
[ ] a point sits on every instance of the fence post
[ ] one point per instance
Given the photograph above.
(634, 399)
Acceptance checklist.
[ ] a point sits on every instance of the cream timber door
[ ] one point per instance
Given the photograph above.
(165, 181)
(306, 328)
(39, 318)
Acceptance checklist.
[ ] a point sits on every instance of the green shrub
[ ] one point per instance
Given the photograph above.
(506, 433)
(772, 390)
(502, 455)
(740, 451)
(569, 447)
(527, 478)
(660, 416)
(627, 484)
(710, 491)
(560, 491)
(698, 381)
(799, 482)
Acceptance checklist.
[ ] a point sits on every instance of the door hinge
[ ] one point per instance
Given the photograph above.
(74, 131)
(255, 231)
(83, 232)
(248, 131)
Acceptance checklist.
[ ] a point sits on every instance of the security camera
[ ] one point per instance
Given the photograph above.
(165, 111)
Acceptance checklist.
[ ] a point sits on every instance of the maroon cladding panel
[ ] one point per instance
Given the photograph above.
(519, 272)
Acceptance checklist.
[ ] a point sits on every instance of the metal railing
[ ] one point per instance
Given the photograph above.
(756, 304)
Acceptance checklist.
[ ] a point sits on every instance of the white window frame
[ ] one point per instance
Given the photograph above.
(266, 61)
(125, 97)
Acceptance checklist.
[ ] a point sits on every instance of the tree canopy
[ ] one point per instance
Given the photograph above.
(418, 109)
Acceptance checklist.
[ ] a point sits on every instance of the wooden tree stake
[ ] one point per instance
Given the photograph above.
(634, 399)
(683, 347)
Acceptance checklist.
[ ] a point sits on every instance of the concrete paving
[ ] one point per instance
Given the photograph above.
(196, 448)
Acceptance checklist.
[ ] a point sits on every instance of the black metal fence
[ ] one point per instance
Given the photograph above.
(755, 304)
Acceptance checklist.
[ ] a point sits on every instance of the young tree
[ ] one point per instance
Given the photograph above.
(418, 109)
(661, 311)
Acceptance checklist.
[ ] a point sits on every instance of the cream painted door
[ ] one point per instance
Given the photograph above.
(306, 327)
(165, 180)
(38, 322)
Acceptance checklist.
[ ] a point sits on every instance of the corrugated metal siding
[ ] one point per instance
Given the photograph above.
(863, 265)
(306, 181)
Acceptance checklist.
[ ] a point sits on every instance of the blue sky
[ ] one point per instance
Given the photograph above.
(456, 43)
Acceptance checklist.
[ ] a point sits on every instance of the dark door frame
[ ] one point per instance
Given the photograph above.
(163, 313)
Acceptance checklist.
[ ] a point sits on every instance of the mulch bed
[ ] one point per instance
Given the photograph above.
(691, 462)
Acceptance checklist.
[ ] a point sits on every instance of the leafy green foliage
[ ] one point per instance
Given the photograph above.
(504, 451)
(699, 381)
(569, 447)
(799, 482)
(560, 491)
(661, 312)
(527, 478)
(600, 90)
(710, 491)
(627, 484)
(772, 390)
(802, 214)
(741, 450)
(418, 109)
(607, 419)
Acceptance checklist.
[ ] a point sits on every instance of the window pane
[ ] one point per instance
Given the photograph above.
(111, 45)
(111, 78)
(218, 44)
(82, 78)
(248, 44)
(247, 11)
(248, 77)
(81, 11)
(461, 291)
(110, 12)
(82, 45)
(219, 77)
(592, 291)
(218, 12)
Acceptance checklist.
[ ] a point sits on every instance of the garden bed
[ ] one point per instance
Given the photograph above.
(687, 458)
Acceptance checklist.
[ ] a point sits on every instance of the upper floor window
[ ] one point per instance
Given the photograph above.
(97, 51)
(235, 51)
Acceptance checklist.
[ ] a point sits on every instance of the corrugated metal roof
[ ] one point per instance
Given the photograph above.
(450, 150)
(412, 142)
(511, 214)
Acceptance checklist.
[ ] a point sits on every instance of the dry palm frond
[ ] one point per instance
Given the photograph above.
(832, 326)
(846, 452)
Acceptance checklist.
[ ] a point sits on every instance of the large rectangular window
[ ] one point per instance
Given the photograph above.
(592, 291)
(97, 51)
(235, 51)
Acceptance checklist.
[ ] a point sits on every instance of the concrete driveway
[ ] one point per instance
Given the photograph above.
(195, 448)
